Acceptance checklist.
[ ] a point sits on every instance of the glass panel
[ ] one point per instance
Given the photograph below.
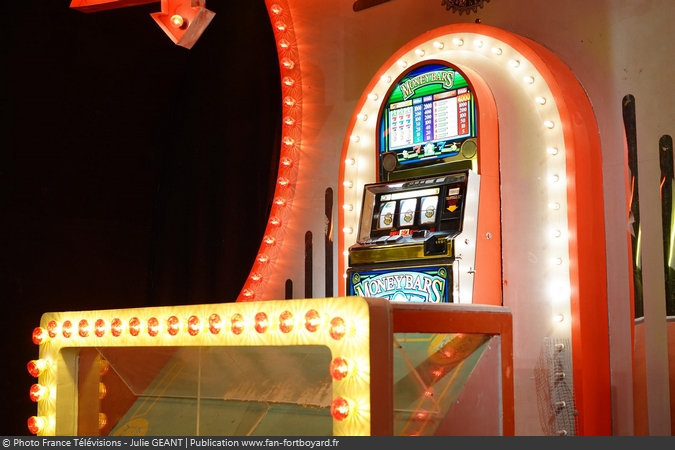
(446, 384)
(407, 217)
(387, 215)
(428, 210)
(207, 391)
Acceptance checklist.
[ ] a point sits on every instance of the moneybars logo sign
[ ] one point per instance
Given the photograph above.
(427, 286)
(409, 86)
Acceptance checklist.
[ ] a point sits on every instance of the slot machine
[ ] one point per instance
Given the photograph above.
(418, 238)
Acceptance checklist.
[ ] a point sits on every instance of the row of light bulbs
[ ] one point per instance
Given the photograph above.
(291, 86)
(237, 324)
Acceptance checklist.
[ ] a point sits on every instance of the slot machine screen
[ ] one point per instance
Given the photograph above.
(413, 207)
(405, 211)
(428, 116)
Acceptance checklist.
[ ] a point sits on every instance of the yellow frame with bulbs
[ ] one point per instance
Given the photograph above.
(355, 329)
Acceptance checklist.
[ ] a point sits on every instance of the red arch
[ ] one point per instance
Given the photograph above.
(588, 270)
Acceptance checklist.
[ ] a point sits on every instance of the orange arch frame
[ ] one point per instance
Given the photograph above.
(588, 269)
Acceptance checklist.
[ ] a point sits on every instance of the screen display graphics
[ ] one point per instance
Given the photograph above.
(407, 209)
(415, 284)
(428, 115)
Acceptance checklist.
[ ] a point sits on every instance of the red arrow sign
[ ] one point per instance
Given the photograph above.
(184, 21)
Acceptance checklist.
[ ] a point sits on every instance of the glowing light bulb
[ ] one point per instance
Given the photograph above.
(102, 391)
(341, 408)
(134, 326)
(37, 367)
(402, 63)
(289, 121)
(556, 233)
(354, 138)
(38, 392)
(287, 63)
(554, 178)
(173, 325)
(283, 182)
(338, 328)
(289, 102)
(549, 124)
(238, 324)
(193, 325)
(280, 201)
(419, 52)
(283, 43)
(288, 82)
(256, 277)
(66, 329)
(276, 9)
(496, 50)
(288, 141)
(556, 261)
(286, 322)
(347, 207)
(261, 322)
(350, 161)
(478, 43)
(177, 21)
(363, 117)
(104, 367)
(528, 80)
(102, 420)
(153, 326)
(540, 100)
(262, 258)
(386, 79)
(552, 151)
(100, 327)
(558, 318)
(348, 230)
(286, 162)
(53, 328)
(40, 335)
(458, 41)
(83, 328)
(372, 96)
(36, 424)
(554, 205)
(514, 63)
(248, 294)
(438, 45)
(348, 184)
(215, 324)
(280, 26)
(312, 320)
(339, 368)
(116, 327)
(275, 221)
(269, 240)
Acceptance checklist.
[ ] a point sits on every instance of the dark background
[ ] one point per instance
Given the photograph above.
(133, 172)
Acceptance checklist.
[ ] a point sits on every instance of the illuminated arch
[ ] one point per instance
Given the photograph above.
(289, 157)
(545, 108)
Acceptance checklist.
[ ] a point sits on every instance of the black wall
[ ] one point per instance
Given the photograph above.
(133, 172)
